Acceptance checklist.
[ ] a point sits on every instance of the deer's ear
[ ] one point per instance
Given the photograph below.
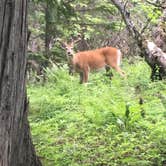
(61, 43)
(64, 45)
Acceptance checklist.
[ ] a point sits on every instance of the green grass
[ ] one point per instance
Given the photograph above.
(100, 123)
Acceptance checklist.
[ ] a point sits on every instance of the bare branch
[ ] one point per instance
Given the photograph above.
(157, 4)
(146, 25)
(126, 17)
(156, 60)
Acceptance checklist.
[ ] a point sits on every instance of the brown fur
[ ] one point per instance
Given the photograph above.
(84, 62)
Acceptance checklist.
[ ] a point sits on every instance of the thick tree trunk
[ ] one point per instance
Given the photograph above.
(155, 61)
(16, 147)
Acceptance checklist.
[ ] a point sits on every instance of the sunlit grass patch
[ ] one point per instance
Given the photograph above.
(102, 122)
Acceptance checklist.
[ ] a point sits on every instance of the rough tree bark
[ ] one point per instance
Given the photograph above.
(159, 32)
(47, 31)
(156, 59)
(16, 148)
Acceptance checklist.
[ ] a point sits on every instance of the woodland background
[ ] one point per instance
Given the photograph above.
(108, 122)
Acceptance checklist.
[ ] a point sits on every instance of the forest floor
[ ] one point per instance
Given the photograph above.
(118, 122)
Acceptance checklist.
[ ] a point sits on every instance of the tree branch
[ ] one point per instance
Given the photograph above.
(154, 56)
(126, 17)
(146, 25)
(157, 4)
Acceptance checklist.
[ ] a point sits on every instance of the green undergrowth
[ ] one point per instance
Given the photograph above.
(118, 122)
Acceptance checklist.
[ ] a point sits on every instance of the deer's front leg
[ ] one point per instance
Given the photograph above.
(86, 74)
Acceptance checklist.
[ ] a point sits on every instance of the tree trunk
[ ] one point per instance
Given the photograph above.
(159, 32)
(48, 30)
(156, 61)
(16, 147)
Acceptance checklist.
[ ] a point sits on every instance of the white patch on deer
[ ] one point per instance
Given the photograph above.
(119, 57)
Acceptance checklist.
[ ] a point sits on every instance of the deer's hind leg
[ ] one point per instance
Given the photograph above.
(81, 77)
(108, 71)
(114, 63)
(119, 70)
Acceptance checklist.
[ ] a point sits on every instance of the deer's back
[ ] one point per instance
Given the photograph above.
(95, 59)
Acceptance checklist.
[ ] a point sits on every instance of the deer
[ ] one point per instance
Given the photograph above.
(85, 61)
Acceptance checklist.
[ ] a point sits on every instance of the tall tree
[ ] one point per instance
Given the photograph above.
(154, 57)
(57, 12)
(16, 147)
